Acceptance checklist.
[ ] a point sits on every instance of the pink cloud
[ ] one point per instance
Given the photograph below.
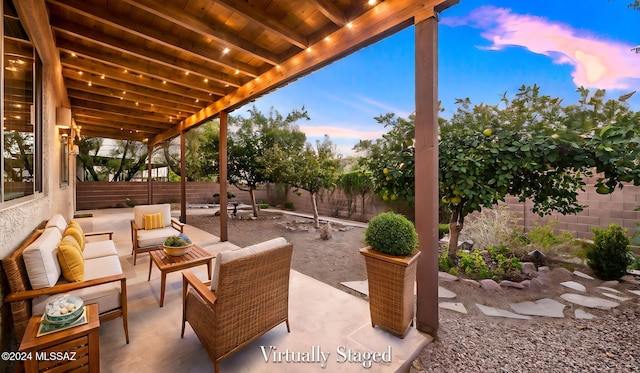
(597, 63)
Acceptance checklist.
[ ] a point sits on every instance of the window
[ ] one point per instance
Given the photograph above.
(22, 108)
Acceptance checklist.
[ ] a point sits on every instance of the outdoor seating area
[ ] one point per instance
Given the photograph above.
(321, 318)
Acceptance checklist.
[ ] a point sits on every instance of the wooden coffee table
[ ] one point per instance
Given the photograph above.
(167, 263)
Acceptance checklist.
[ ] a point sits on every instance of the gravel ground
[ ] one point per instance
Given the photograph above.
(608, 343)
(474, 342)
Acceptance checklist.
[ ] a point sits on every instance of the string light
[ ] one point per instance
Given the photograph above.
(225, 51)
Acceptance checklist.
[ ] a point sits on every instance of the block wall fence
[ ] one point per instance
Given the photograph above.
(601, 210)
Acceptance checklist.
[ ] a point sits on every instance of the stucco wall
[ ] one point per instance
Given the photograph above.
(19, 217)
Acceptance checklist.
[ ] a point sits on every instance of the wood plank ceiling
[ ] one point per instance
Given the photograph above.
(148, 69)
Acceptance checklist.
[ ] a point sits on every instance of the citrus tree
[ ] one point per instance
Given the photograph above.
(530, 146)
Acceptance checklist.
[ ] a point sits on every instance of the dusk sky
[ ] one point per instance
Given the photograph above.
(486, 48)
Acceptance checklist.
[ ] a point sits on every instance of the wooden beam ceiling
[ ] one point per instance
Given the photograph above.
(149, 69)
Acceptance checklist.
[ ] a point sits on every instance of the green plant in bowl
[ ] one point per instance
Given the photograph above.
(177, 245)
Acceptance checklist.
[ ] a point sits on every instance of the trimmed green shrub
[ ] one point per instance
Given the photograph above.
(263, 205)
(609, 256)
(131, 202)
(392, 234)
(288, 205)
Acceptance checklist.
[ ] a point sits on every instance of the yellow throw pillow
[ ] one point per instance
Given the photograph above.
(76, 231)
(70, 258)
(153, 221)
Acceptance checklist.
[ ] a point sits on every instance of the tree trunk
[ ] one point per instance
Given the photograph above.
(314, 206)
(252, 196)
(456, 224)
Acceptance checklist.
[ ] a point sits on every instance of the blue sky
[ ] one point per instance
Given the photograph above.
(486, 48)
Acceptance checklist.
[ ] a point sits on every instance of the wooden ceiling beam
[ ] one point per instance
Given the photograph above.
(386, 18)
(131, 95)
(170, 68)
(202, 52)
(251, 13)
(119, 117)
(119, 110)
(113, 134)
(98, 68)
(151, 94)
(126, 103)
(86, 121)
(331, 11)
(180, 17)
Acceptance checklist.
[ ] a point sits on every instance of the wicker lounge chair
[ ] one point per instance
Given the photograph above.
(248, 296)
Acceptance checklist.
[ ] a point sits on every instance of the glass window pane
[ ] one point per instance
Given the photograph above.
(18, 145)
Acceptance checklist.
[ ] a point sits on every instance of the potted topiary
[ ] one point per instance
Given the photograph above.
(391, 260)
(177, 245)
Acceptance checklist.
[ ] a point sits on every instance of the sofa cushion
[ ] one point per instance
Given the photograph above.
(230, 255)
(57, 221)
(98, 249)
(140, 210)
(71, 260)
(153, 221)
(74, 229)
(155, 237)
(107, 296)
(41, 261)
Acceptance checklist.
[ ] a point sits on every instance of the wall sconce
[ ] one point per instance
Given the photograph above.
(65, 133)
(63, 117)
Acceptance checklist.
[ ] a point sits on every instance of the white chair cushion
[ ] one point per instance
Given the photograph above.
(107, 296)
(59, 222)
(141, 210)
(227, 256)
(41, 260)
(155, 237)
(99, 249)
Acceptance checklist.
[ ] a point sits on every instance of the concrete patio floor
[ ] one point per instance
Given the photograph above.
(323, 319)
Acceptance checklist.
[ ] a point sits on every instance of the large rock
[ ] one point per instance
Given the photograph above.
(489, 284)
(326, 232)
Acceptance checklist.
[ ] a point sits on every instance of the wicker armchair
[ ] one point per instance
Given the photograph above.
(248, 296)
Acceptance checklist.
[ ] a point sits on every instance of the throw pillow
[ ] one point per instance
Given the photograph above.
(76, 231)
(153, 221)
(71, 260)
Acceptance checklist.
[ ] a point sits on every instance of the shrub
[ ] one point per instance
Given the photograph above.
(609, 256)
(492, 227)
(445, 263)
(443, 230)
(392, 234)
(474, 265)
(263, 205)
(545, 237)
(131, 202)
(288, 205)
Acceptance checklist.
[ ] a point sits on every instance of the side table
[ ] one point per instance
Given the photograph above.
(75, 349)
(167, 264)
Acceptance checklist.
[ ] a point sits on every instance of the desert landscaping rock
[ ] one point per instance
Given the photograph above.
(453, 306)
(511, 284)
(610, 283)
(589, 302)
(544, 307)
(444, 293)
(583, 275)
(470, 282)
(616, 297)
(489, 284)
(528, 268)
(636, 292)
(574, 286)
(610, 290)
(583, 315)
(446, 276)
(497, 312)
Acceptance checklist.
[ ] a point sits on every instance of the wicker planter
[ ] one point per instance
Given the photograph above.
(391, 283)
